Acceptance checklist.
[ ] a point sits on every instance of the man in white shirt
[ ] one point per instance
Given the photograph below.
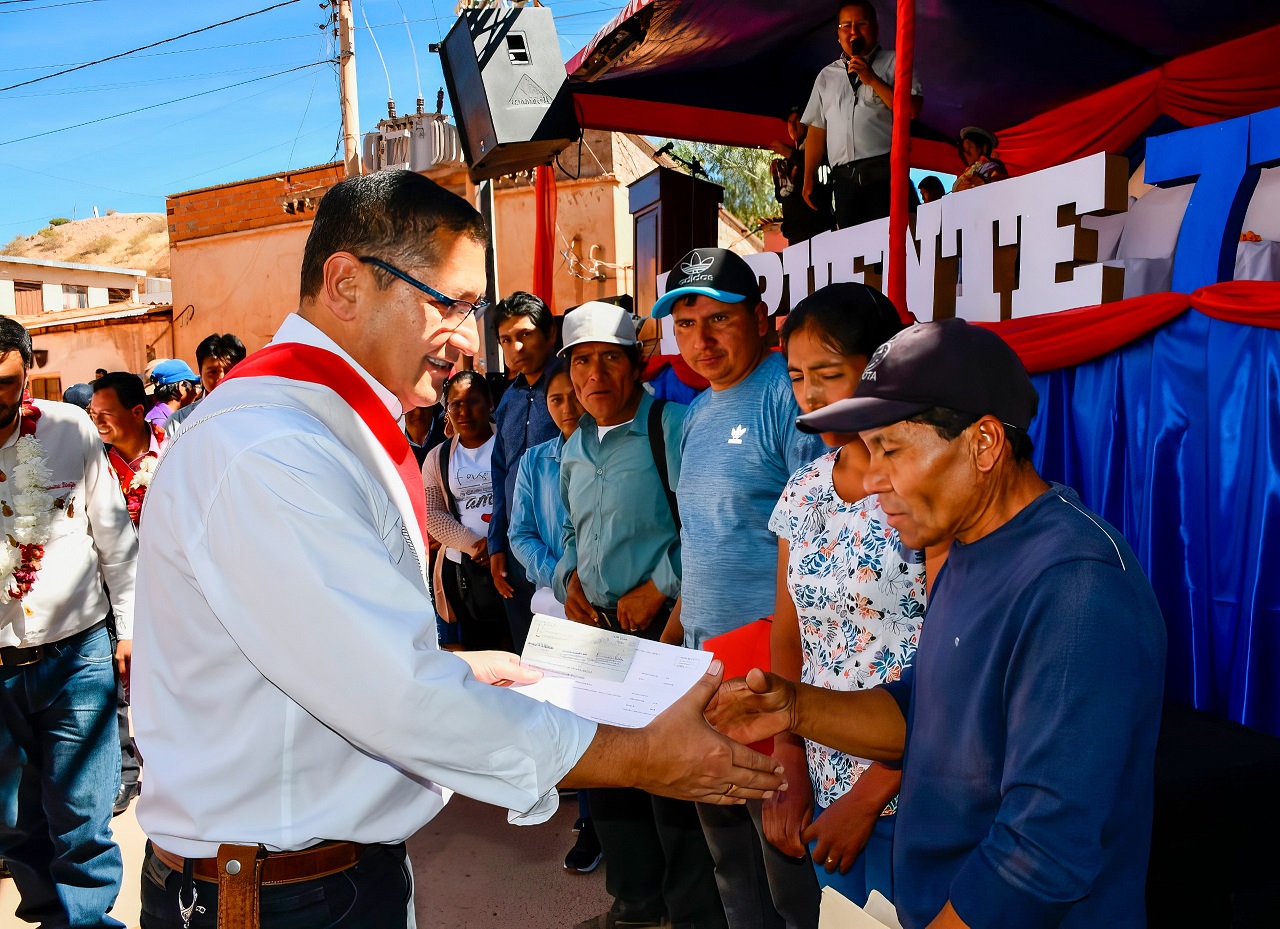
(298, 718)
(850, 119)
(68, 534)
(118, 409)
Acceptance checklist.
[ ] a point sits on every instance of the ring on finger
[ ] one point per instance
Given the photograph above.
(730, 789)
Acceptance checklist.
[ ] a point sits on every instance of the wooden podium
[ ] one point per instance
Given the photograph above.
(671, 213)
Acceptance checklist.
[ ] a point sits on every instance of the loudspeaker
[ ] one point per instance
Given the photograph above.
(506, 82)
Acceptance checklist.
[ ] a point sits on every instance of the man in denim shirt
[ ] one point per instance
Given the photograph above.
(526, 335)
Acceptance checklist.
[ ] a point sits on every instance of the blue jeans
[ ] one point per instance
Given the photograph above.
(59, 773)
(872, 870)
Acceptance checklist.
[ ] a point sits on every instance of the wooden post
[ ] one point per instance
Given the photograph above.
(347, 88)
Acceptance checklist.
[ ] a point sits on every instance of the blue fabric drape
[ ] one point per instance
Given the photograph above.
(1175, 440)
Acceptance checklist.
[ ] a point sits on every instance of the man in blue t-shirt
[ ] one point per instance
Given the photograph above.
(1027, 725)
(740, 446)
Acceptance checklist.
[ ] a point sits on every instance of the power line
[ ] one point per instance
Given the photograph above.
(143, 48)
(142, 82)
(143, 109)
(51, 6)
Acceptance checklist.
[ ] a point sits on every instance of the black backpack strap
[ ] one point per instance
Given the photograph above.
(658, 448)
(446, 450)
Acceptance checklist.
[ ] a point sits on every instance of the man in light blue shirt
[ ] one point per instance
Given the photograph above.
(621, 570)
(740, 445)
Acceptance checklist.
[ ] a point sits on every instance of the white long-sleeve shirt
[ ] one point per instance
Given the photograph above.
(91, 537)
(287, 684)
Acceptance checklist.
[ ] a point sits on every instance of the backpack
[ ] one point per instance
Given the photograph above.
(658, 448)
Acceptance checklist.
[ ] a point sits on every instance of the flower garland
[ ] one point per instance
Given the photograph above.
(135, 481)
(33, 508)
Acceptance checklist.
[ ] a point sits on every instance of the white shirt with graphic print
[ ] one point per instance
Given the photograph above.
(471, 480)
(859, 595)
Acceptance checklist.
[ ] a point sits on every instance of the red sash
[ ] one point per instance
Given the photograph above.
(299, 362)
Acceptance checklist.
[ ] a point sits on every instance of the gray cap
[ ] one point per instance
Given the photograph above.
(598, 322)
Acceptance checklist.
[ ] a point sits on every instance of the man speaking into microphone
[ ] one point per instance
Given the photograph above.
(850, 119)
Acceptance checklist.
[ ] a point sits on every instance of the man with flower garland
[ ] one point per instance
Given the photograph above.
(118, 408)
(119, 412)
(67, 540)
(298, 718)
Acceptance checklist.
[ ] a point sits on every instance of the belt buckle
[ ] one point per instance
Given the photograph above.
(30, 656)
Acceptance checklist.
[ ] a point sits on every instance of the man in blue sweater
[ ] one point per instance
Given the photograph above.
(1027, 725)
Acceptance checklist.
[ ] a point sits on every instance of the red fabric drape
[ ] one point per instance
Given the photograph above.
(544, 241)
(1072, 337)
(900, 155)
(1232, 79)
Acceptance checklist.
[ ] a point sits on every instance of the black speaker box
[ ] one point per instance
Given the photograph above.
(506, 82)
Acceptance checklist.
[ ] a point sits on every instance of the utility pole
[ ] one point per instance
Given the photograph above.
(347, 87)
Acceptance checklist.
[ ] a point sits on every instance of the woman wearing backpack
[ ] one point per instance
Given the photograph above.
(457, 475)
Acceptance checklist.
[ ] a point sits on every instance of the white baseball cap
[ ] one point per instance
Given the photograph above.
(598, 322)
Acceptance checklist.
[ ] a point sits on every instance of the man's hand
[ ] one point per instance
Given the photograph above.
(790, 811)
(860, 67)
(638, 607)
(480, 553)
(754, 708)
(576, 605)
(807, 191)
(688, 760)
(124, 660)
(499, 668)
(841, 833)
(498, 570)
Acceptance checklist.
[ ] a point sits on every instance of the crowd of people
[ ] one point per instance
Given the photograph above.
(834, 168)
(299, 719)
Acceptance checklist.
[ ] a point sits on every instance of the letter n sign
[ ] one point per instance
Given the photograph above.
(1224, 160)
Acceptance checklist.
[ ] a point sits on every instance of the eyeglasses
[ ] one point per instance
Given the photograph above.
(455, 310)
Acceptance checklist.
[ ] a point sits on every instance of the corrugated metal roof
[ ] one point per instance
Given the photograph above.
(70, 265)
(127, 311)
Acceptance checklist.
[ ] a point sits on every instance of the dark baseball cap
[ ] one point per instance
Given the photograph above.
(710, 272)
(948, 363)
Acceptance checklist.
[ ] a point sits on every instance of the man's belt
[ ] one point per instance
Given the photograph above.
(240, 872)
(16, 657)
(276, 867)
(863, 170)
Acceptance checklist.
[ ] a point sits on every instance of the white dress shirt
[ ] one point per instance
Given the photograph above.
(858, 124)
(287, 685)
(92, 540)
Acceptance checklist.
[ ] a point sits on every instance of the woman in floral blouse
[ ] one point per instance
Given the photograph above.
(850, 602)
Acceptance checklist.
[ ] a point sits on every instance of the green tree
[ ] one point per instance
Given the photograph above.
(744, 174)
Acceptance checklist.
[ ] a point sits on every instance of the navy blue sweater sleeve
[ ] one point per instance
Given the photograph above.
(499, 518)
(1082, 687)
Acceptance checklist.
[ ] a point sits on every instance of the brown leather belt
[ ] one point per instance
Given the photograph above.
(277, 867)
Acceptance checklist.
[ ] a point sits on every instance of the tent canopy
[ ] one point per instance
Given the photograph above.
(661, 65)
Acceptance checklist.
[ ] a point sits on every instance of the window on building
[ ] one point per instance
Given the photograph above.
(119, 294)
(46, 387)
(75, 297)
(29, 297)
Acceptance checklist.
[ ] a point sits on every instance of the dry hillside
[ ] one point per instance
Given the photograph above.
(123, 240)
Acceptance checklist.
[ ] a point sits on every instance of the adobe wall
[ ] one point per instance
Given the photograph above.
(121, 346)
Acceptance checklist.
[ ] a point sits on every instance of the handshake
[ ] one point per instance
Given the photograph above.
(695, 749)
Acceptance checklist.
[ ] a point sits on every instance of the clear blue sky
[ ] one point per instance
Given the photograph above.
(269, 125)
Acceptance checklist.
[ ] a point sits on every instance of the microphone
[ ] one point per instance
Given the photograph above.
(665, 149)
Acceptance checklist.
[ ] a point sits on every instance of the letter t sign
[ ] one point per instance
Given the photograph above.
(1224, 159)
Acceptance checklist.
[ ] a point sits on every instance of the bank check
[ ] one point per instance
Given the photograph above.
(605, 676)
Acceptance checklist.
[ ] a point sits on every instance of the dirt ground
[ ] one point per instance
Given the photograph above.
(472, 870)
(123, 240)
